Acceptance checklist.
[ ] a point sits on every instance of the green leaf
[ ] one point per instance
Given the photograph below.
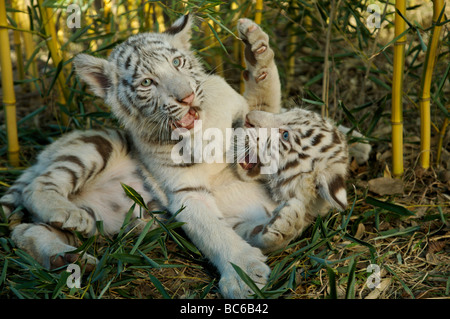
(396, 209)
(401, 281)
(248, 281)
(131, 193)
(350, 292)
(187, 244)
(142, 235)
(397, 232)
(332, 281)
(127, 258)
(150, 261)
(62, 282)
(159, 286)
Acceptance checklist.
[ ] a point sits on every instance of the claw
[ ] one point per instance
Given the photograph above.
(261, 77)
(261, 49)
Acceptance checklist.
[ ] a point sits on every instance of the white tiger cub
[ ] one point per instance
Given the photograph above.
(153, 84)
(311, 167)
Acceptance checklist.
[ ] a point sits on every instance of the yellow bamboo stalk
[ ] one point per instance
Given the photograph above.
(258, 11)
(107, 5)
(218, 57)
(9, 98)
(397, 88)
(24, 23)
(291, 49)
(236, 41)
(55, 51)
(18, 44)
(160, 18)
(147, 16)
(134, 23)
(424, 101)
(151, 17)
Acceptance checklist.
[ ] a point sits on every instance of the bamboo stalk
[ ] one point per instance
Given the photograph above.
(236, 41)
(107, 5)
(28, 43)
(147, 16)
(424, 101)
(18, 44)
(55, 51)
(259, 10)
(397, 87)
(160, 18)
(326, 64)
(9, 98)
(218, 58)
(292, 49)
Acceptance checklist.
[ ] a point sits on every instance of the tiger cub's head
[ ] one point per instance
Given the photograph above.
(152, 81)
(308, 154)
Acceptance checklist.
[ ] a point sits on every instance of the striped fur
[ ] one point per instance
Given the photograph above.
(155, 84)
(310, 176)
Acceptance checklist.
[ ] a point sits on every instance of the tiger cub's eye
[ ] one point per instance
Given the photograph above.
(176, 62)
(147, 82)
(285, 135)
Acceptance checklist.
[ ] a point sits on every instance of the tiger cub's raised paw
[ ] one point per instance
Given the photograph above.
(258, 53)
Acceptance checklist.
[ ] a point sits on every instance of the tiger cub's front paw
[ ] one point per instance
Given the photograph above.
(74, 220)
(258, 53)
(252, 262)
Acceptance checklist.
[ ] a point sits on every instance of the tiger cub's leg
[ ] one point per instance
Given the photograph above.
(67, 169)
(287, 222)
(50, 246)
(262, 83)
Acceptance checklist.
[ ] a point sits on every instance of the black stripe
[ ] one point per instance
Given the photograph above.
(308, 133)
(326, 148)
(291, 165)
(192, 189)
(103, 146)
(73, 175)
(317, 139)
(71, 158)
(303, 156)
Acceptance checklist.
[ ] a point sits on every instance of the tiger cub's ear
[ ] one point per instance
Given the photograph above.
(181, 32)
(96, 72)
(333, 191)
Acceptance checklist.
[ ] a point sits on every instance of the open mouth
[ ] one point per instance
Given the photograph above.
(186, 121)
(247, 164)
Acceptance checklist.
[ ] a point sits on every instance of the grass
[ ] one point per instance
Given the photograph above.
(407, 235)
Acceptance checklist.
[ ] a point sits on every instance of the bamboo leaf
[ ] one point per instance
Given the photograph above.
(142, 235)
(62, 282)
(332, 282)
(248, 281)
(350, 292)
(401, 281)
(135, 196)
(159, 286)
(399, 210)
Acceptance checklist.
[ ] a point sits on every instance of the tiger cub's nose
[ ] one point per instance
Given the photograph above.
(187, 100)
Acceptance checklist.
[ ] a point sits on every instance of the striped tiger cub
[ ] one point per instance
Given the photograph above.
(155, 86)
(309, 177)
